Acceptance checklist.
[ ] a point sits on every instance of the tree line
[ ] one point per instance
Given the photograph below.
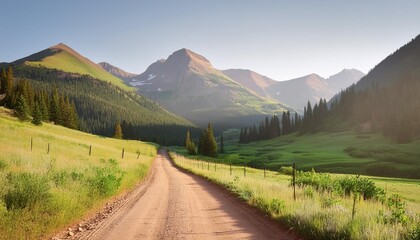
(29, 102)
(392, 110)
(274, 127)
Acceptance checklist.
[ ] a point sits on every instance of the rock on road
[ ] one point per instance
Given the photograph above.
(179, 205)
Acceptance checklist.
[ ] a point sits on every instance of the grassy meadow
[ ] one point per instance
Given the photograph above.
(344, 152)
(316, 214)
(41, 192)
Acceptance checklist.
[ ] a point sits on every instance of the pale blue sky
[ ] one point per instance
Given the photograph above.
(280, 39)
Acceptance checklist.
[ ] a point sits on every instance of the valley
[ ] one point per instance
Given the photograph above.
(210, 120)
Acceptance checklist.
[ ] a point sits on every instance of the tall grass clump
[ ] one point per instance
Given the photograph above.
(326, 207)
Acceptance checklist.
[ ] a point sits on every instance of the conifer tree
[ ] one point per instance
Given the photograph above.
(189, 144)
(43, 107)
(3, 81)
(36, 114)
(73, 118)
(118, 134)
(21, 109)
(9, 88)
(209, 143)
(55, 107)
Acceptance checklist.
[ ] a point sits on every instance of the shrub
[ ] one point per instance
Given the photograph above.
(27, 190)
(286, 170)
(105, 181)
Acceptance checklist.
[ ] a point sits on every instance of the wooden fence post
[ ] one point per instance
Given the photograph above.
(32, 144)
(48, 150)
(264, 170)
(122, 154)
(294, 181)
(138, 155)
(244, 169)
(90, 150)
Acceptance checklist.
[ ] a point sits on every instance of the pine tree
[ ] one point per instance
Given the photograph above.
(222, 144)
(37, 115)
(43, 107)
(189, 144)
(55, 107)
(3, 81)
(21, 109)
(63, 114)
(9, 88)
(73, 118)
(209, 143)
(118, 134)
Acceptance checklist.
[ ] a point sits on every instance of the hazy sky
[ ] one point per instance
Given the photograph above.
(280, 39)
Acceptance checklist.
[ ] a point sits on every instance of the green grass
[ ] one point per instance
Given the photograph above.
(49, 191)
(67, 62)
(345, 152)
(314, 215)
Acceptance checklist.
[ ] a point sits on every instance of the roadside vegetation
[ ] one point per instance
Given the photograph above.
(61, 176)
(327, 206)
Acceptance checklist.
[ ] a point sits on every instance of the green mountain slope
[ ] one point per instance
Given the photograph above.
(62, 57)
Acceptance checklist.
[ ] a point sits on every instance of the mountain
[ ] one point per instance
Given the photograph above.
(117, 72)
(64, 58)
(187, 84)
(296, 92)
(101, 103)
(343, 79)
(251, 80)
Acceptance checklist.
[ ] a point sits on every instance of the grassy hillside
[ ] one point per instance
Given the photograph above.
(319, 214)
(100, 105)
(345, 152)
(64, 58)
(42, 192)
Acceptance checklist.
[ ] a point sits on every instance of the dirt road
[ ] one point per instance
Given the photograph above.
(179, 205)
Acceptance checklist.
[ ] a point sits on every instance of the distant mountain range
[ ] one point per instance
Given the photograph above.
(295, 93)
(187, 84)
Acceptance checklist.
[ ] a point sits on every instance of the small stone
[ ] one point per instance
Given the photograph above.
(80, 229)
(71, 234)
(69, 229)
